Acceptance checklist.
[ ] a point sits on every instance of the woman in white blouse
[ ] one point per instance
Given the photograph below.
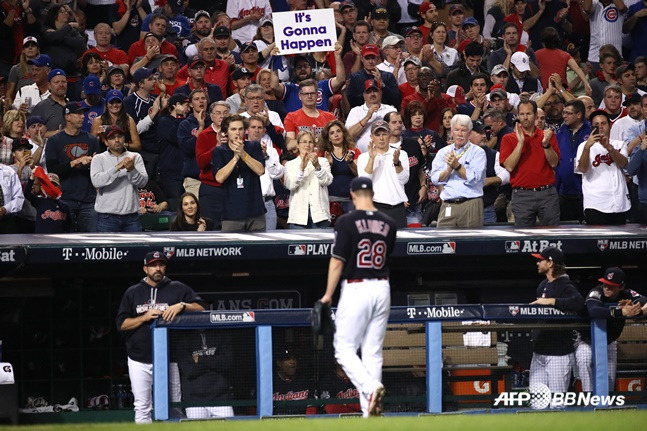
(439, 56)
(307, 177)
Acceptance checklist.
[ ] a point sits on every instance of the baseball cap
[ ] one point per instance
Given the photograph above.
(498, 92)
(41, 60)
(91, 85)
(264, 21)
(551, 253)
(521, 61)
(479, 126)
(196, 59)
(240, 72)
(28, 39)
(391, 41)
(34, 119)
(453, 8)
(20, 143)
(154, 256)
(113, 129)
(370, 49)
(413, 29)
(248, 45)
(347, 4)
(623, 68)
(284, 353)
(177, 98)
(379, 12)
(456, 92)
(613, 276)
(499, 68)
(200, 13)
(169, 57)
(142, 73)
(176, 5)
(113, 69)
(470, 20)
(634, 98)
(361, 183)
(149, 34)
(463, 45)
(379, 125)
(424, 7)
(412, 59)
(54, 178)
(74, 107)
(371, 83)
(599, 112)
(221, 31)
(114, 94)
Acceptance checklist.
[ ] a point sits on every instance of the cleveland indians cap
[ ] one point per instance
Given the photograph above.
(361, 183)
(613, 276)
(154, 256)
(551, 253)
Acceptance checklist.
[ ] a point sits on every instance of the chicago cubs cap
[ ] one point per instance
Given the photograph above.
(91, 85)
(74, 107)
(634, 98)
(154, 256)
(370, 49)
(499, 68)
(551, 253)
(176, 5)
(34, 119)
(112, 130)
(379, 125)
(361, 183)
(142, 73)
(20, 143)
(613, 276)
(41, 60)
(114, 94)
(221, 31)
(521, 61)
(470, 20)
(28, 39)
(371, 83)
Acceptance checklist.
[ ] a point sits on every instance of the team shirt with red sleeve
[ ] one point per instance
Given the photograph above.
(533, 169)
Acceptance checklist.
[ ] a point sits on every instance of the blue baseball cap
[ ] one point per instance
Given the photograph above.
(91, 85)
(41, 60)
(361, 183)
(114, 94)
(34, 119)
(74, 107)
(55, 72)
(142, 73)
(470, 20)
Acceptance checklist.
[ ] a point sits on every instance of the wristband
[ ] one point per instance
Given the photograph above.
(246, 156)
(546, 146)
(362, 125)
(397, 164)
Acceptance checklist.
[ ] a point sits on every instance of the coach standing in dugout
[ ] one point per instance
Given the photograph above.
(552, 357)
(364, 239)
(154, 296)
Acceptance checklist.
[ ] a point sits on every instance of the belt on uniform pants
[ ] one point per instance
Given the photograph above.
(457, 200)
(359, 280)
(533, 189)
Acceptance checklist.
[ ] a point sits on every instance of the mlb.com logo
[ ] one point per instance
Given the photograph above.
(539, 397)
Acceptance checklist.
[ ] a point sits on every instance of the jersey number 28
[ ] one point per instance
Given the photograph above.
(371, 254)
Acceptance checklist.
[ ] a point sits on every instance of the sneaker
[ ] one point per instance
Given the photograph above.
(375, 402)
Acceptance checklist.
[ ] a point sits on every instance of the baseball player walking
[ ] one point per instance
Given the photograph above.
(364, 239)
(553, 351)
(154, 296)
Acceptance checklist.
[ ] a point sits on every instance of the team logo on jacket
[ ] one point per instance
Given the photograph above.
(514, 310)
(603, 244)
(169, 252)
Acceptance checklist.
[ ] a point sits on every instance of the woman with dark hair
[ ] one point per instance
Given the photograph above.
(444, 131)
(551, 59)
(414, 121)
(92, 64)
(64, 43)
(337, 145)
(440, 57)
(188, 216)
(115, 113)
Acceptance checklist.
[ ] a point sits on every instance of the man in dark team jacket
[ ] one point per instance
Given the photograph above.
(552, 357)
(154, 296)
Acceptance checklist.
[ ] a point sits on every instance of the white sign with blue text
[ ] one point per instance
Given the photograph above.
(300, 32)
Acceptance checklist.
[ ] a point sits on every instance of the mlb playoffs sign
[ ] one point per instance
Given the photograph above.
(304, 31)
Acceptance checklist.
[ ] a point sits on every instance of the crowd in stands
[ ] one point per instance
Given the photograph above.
(462, 113)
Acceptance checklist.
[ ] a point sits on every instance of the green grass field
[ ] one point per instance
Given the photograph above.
(572, 421)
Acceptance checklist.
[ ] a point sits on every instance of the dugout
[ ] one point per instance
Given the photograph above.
(60, 293)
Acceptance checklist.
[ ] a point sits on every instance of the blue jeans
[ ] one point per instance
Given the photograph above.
(270, 215)
(489, 215)
(118, 223)
(414, 214)
(84, 217)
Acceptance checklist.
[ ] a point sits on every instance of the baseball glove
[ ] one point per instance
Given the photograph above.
(322, 320)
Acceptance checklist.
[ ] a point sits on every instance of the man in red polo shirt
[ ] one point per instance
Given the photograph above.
(217, 70)
(158, 24)
(428, 93)
(530, 154)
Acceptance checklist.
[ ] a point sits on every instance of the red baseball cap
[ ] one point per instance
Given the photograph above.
(370, 49)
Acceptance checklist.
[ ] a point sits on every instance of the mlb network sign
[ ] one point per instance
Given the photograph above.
(539, 396)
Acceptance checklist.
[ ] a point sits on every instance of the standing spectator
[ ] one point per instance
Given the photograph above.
(606, 18)
(379, 20)
(308, 177)
(530, 155)
(388, 168)
(633, 105)
(69, 154)
(238, 166)
(428, 93)
(411, 68)
(117, 174)
(392, 53)
(126, 18)
(636, 26)
(179, 27)
(216, 70)
(352, 57)
(495, 119)
(52, 109)
(567, 182)
(12, 199)
(460, 169)
(543, 14)
(439, 55)
(115, 80)
(476, 106)
(339, 149)
(196, 68)
(189, 217)
(64, 43)
(473, 59)
(93, 101)
(361, 118)
(116, 114)
(388, 83)
(604, 76)
(414, 121)
(245, 17)
(17, 21)
(153, 56)
(37, 91)
(553, 350)
(168, 81)
(187, 136)
(107, 52)
(153, 297)
(20, 73)
(241, 78)
(456, 17)
(601, 163)
(511, 45)
(143, 107)
(158, 27)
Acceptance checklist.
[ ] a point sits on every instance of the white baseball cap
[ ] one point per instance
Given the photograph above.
(30, 39)
(391, 41)
(521, 61)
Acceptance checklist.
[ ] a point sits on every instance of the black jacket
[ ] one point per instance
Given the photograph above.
(600, 307)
